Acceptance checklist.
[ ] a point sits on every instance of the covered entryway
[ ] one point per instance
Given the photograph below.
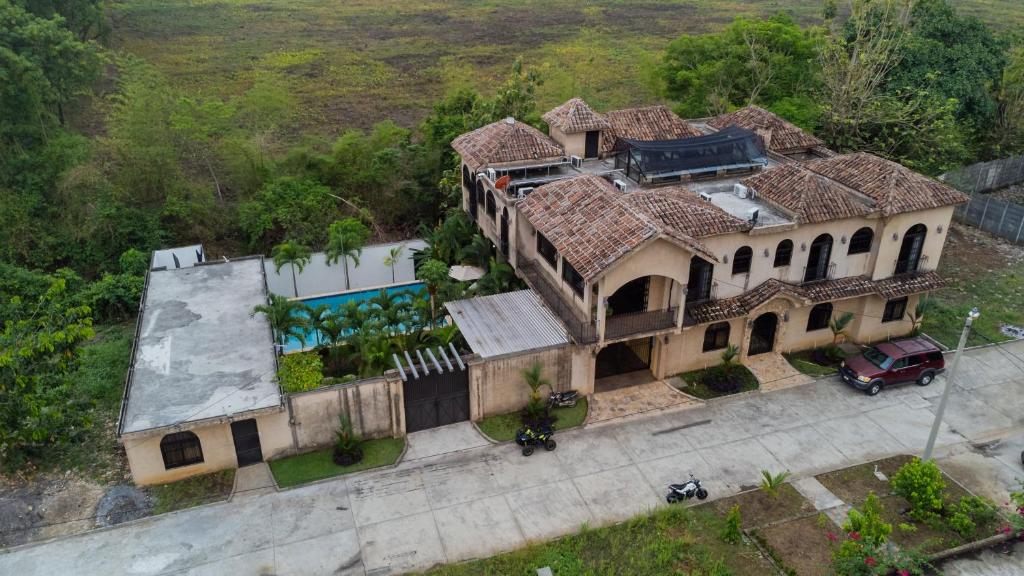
(623, 364)
(762, 334)
(435, 389)
(247, 442)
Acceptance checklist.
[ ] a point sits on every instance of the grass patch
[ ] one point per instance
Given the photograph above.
(303, 468)
(673, 540)
(192, 491)
(695, 385)
(503, 427)
(805, 362)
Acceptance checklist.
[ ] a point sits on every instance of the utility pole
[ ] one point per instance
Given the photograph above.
(971, 316)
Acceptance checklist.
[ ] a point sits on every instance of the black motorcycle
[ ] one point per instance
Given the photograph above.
(529, 437)
(566, 399)
(685, 491)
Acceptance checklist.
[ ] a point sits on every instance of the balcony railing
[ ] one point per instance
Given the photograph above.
(901, 267)
(580, 330)
(622, 325)
(829, 273)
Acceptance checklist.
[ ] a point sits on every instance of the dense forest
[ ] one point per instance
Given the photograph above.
(103, 158)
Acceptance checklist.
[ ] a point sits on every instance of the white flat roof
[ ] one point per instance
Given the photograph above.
(200, 352)
(508, 323)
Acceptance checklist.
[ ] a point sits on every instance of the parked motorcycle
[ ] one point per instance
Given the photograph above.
(685, 491)
(528, 438)
(566, 399)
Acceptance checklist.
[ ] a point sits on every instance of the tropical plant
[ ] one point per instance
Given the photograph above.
(731, 532)
(479, 252)
(921, 483)
(345, 239)
(393, 258)
(839, 324)
(918, 314)
(318, 317)
(300, 372)
(293, 254)
(348, 446)
(287, 318)
(391, 309)
(771, 483)
(500, 277)
(728, 357)
(534, 378)
(434, 273)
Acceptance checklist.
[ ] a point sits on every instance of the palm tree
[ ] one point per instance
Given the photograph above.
(391, 309)
(286, 318)
(291, 253)
(319, 316)
(345, 239)
(838, 326)
(500, 278)
(917, 316)
(393, 257)
(478, 252)
(435, 274)
(353, 316)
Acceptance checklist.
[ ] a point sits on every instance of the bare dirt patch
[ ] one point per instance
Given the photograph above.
(50, 505)
(801, 545)
(758, 508)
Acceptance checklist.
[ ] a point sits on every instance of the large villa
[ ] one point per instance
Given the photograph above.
(658, 241)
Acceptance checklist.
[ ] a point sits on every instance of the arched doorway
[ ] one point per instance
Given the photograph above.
(631, 296)
(818, 259)
(762, 334)
(910, 251)
(503, 232)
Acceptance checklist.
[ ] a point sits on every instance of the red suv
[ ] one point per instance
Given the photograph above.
(910, 360)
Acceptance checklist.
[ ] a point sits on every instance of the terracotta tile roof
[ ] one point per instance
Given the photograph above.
(830, 290)
(778, 134)
(587, 222)
(647, 123)
(503, 142)
(809, 196)
(575, 116)
(681, 211)
(893, 187)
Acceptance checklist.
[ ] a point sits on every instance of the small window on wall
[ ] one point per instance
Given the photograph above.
(572, 278)
(181, 449)
(547, 250)
(860, 242)
(716, 336)
(783, 253)
(741, 260)
(819, 317)
(895, 310)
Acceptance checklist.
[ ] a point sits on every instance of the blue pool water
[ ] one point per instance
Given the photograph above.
(336, 301)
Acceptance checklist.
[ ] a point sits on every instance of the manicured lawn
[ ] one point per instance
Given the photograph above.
(503, 427)
(191, 492)
(695, 385)
(302, 468)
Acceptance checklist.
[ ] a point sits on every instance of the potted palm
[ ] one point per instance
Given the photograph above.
(348, 446)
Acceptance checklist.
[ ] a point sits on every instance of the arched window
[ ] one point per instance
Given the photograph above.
(716, 336)
(491, 206)
(783, 253)
(860, 242)
(181, 449)
(819, 317)
(910, 251)
(467, 180)
(741, 260)
(818, 259)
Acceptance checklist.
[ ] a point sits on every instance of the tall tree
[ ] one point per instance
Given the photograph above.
(393, 258)
(434, 274)
(345, 239)
(294, 255)
(287, 318)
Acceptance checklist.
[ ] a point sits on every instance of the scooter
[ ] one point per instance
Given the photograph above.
(685, 491)
(528, 438)
(565, 399)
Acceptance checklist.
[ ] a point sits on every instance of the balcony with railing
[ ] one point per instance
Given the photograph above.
(620, 326)
(580, 329)
(910, 266)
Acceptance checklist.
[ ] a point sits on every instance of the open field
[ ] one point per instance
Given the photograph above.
(353, 63)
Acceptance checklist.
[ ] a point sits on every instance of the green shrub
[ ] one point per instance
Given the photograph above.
(865, 549)
(969, 513)
(867, 523)
(300, 372)
(348, 446)
(771, 483)
(921, 484)
(731, 532)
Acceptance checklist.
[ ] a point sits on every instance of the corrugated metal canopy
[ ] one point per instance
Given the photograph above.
(508, 323)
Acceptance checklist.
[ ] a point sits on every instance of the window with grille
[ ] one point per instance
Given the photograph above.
(860, 242)
(716, 336)
(783, 253)
(895, 310)
(547, 250)
(819, 316)
(572, 278)
(181, 449)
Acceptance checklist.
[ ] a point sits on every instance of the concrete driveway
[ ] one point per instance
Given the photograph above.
(488, 499)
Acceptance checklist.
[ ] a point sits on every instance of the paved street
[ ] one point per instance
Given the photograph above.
(488, 498)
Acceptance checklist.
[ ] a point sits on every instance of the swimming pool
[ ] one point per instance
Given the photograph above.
(337, 301)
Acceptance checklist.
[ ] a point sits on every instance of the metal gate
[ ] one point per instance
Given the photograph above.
(247, 442)
(436, 388)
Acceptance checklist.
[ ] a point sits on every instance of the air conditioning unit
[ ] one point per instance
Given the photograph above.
(576, 161)
(705, 196)
(492, 175)
(740, 190)
(522, 192)
(619, 185)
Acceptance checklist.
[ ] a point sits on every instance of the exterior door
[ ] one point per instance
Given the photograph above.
(436, 399)
(591, 148)
(762, 335)
(631, 297)
(818, 258)
(247, 442)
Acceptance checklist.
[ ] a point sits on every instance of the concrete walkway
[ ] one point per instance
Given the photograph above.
(484, 500)
(638, 399)
(773, 372)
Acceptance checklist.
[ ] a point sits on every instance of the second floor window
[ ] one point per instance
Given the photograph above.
(783, 253)
(860, 242)
(716, 336)
(741, 260)
(492, 210)
(547, 250)
(819, 317)
(572, 278)
(895, 310)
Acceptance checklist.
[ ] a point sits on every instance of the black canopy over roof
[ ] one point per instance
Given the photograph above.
(731, 147)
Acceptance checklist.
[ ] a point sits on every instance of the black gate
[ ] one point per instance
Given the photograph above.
(247, 442)
(436, 388)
